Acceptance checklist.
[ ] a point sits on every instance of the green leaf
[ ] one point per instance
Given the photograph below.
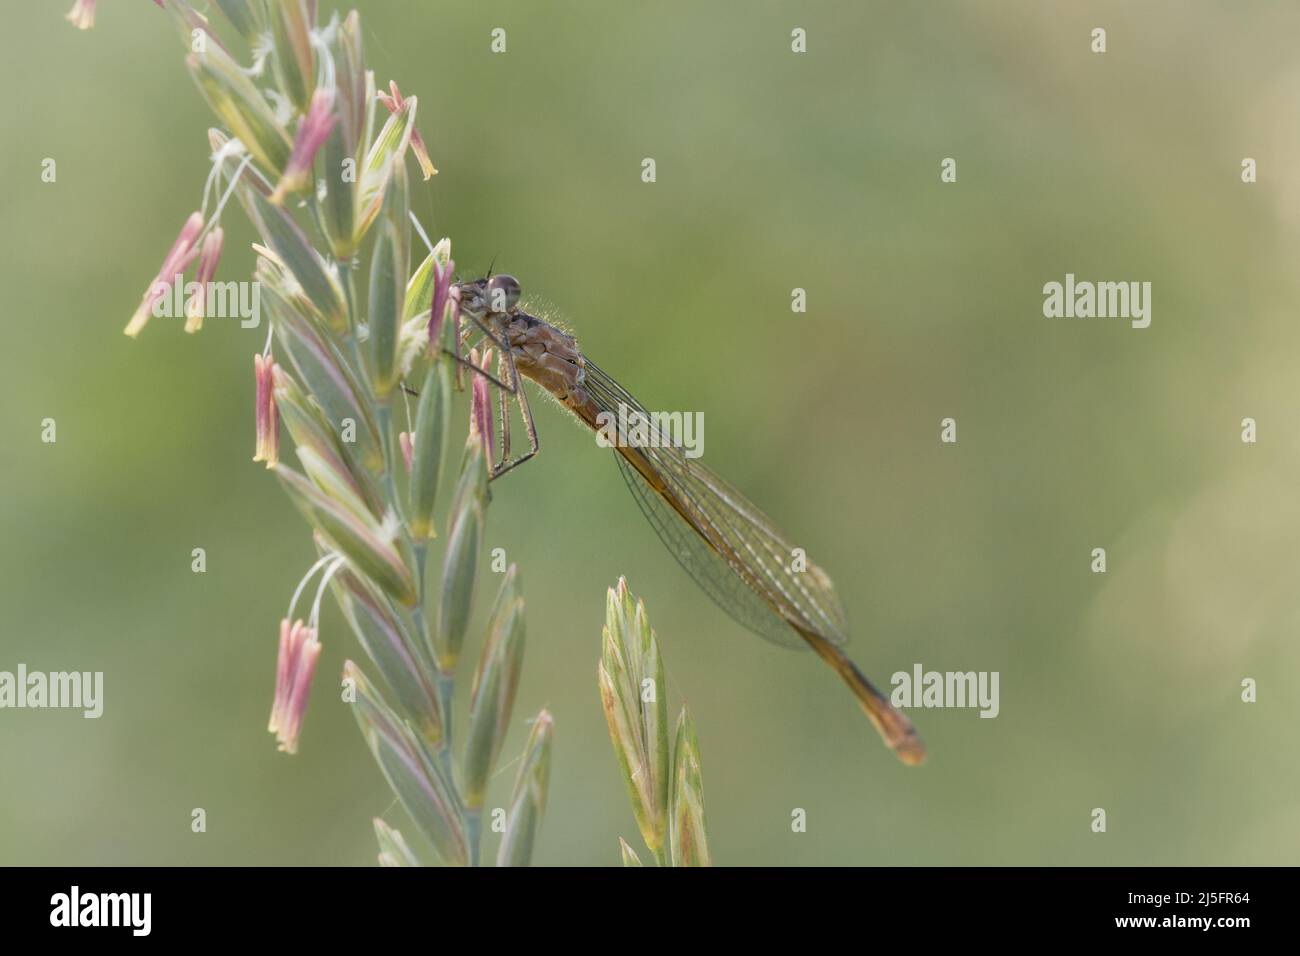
(245, 16)
(495, 683)
(361, 540)
(528, 802)
(238, 103)
(387, 286)
(393, 849)
(338, 208)
(459, 577)
(396, 211)
(432, 418)
(284, 237)
(460, 558)
(294, 60)
(629, 855)
(326, 375)
(351, 80)
(419, 291)
(387, 150)
(422, 788)
(394, 650)
(688, 839)
(309, 427)
(471, 486)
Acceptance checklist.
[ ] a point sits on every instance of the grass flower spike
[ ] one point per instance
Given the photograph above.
(343, 356)
(631, 680)
(666, 789)
(528, 802)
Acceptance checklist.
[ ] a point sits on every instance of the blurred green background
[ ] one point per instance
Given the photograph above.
(775, 171)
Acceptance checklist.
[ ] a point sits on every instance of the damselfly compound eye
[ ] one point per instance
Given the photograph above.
(502, 293)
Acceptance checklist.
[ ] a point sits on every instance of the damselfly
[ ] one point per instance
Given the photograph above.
(731, 549)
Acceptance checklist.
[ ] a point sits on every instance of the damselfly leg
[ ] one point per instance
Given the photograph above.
(525, 412)
(507, 384)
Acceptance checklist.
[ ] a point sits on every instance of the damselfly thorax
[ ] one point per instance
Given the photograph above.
(538, 350)
(731, 548)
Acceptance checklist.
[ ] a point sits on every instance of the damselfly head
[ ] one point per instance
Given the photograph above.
(502, 293)
(473, 298)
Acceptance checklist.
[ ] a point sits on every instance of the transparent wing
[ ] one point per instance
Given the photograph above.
(727, 545)
(713, 574)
